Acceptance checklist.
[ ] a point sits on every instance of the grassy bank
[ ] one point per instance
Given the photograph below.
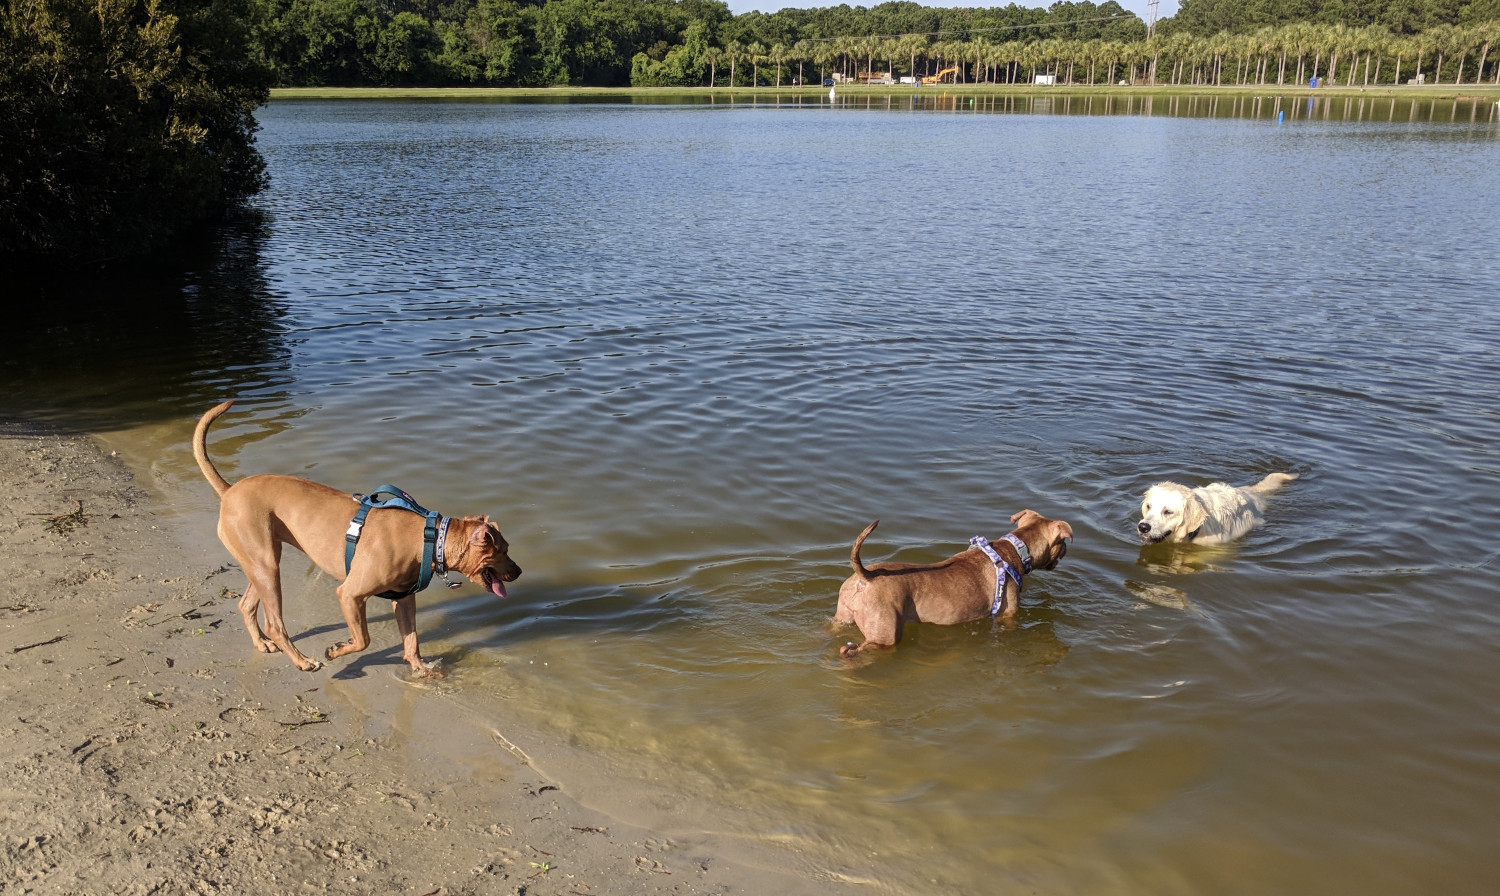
(1425, 92)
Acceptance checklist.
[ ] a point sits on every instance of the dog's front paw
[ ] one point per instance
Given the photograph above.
(312, 666)
(849, 649)
(428, 669)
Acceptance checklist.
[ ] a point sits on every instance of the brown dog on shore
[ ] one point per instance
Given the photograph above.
(259, 514)
(881, 599)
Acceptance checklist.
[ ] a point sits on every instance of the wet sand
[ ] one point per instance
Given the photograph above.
(145, 748)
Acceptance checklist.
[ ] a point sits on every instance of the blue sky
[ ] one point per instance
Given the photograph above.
(1164, 9)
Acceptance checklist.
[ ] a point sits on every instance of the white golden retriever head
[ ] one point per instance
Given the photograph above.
(1170, 512)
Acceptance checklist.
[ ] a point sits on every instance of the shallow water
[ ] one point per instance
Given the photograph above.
(684, 354)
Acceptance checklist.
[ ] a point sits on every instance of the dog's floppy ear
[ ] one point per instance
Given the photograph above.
(1194, 514)
(481, 536)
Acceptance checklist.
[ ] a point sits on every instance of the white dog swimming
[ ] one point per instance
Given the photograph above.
(1209, 515)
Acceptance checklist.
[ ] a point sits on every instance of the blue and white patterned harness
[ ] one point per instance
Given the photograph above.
(1003, 568)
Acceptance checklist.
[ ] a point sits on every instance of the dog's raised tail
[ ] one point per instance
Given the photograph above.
(200, 448)
(1272, 482)
(859, 568)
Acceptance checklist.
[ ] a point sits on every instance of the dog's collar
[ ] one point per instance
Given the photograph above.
(1021, 551)
(439, 561)
(1002, 567)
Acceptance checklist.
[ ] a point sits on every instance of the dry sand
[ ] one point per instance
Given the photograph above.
(145, 749)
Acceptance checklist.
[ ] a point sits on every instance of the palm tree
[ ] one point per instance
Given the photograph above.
(802, 51)
(1178, 48)
(1335, 37)
(844, 47)
(757, 53)
(778, 55)
(733, 48)
(1402, 46)
(889, 47)
(1244, 49)
(712, 55)
(1151, 48)
(1444, 38)
(1009, 53)
(869, 46)
(1300, 38)
(1420, 42)
(1132, 54)
(1029, 56)
(1373, 41)
(1484, 34)
(972, 52)
(824, 53)
(1284, 41)
(979, 54)
(911, 45)
(1316, 44)
(1262, 43)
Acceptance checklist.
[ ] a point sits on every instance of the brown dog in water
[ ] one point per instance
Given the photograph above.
(259, 514)
(884, 597)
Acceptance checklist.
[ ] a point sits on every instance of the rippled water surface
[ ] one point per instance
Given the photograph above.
(684, 354)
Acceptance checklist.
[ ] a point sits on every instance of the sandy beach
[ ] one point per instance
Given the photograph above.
(145, 749)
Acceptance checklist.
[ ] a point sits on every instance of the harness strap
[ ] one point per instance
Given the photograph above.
(1002, 568)
(433, 533)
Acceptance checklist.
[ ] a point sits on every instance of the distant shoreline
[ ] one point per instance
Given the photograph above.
(1420, 92)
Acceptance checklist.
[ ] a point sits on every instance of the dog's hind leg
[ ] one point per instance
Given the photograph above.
(880, 631)
(259, 554)
(250, 611)
(263, 595)
(265, 590)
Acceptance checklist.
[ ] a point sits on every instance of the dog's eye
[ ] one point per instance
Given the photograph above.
(1168, 512)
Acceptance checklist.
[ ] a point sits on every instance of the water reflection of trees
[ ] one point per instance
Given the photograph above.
(97, 352)
(1237, 104)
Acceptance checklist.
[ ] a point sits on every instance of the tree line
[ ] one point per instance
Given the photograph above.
(126, 124)
(693, 43)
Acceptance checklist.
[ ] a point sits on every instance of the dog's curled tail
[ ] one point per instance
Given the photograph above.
(1272, 482)
(859, 568)
(200, 448)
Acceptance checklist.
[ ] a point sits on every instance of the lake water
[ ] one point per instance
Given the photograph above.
(683, 354)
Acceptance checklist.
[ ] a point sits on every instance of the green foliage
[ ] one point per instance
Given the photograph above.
(660, 43)
(1204, 17)
(683, 65)
(123, 123)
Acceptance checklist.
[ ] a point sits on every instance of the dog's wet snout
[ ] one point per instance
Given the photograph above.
(1144, 527)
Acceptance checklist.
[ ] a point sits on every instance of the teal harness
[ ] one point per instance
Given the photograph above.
(434, 533)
